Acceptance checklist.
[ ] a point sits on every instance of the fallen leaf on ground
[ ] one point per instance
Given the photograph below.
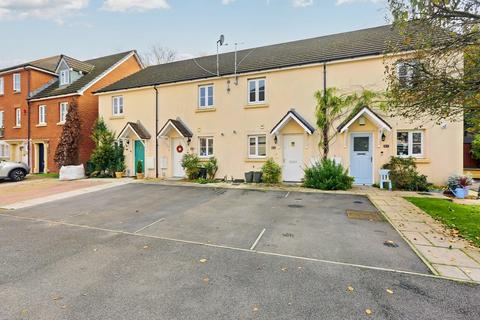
(206, 280)
(255, 307)
(95, 249)
(350, 288)
(368, 311)
(203, 260)
(145, 247)
(390, 291)
(57, 298)
(284, 269)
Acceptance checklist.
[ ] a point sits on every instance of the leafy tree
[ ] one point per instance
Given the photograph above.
(103, 156)
(444, 36)
(66, 153)
(476, 147)
(332, 107)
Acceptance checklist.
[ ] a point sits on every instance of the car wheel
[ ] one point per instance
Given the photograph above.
(17, 175)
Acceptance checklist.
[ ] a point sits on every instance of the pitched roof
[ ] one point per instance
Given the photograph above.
(77, 64)
(178, 125)
(48, 64)
(357, 112)
(138, 128)
(100, 65)
(366, 42)
(292, 114)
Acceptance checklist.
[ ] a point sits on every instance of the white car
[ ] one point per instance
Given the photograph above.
(15, 171)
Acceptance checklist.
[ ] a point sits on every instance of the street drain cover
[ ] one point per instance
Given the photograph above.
(357, 201)
(364, 215)
(295, 206)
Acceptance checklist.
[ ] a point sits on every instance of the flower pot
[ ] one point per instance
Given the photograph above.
(119, 174)
(257, 177)
(140, 175)
(460, 193)
(249, 177)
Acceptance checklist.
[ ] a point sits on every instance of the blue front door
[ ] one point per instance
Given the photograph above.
(361, 158)
(139, 155)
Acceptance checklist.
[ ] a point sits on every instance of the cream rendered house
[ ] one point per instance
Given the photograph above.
(261, 104)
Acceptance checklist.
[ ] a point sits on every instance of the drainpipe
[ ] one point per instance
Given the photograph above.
(156, 131)
(28, 121)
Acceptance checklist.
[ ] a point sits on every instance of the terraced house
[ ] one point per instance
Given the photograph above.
(74, 83)
(17, 84)
(260, 103)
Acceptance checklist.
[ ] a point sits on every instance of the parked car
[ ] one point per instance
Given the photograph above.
(15, 171)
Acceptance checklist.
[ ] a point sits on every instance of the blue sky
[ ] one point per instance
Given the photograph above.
(89, 28)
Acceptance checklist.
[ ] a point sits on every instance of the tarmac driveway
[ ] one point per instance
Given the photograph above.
(308, 225)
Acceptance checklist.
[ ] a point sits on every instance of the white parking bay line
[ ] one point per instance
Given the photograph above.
(258, 239)
(151, 224)
(288, 193)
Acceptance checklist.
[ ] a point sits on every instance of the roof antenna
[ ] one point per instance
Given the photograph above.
(219, 43)
(236, 64)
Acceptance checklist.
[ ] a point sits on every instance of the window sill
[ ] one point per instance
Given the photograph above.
(117, 117)
(41, 125)
(255, 106)
(205, 158)
(205, 110)
(61, 123)
(17, 127)
(17, 92)
(422, 160)
(264, 159)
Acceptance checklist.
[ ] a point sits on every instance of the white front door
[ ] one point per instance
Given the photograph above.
(292, 157)
(361, 158)
(178, 150)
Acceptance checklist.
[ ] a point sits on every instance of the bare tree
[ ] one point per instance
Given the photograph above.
(158, 54)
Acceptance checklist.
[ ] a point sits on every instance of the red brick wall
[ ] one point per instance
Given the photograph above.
(88, 109)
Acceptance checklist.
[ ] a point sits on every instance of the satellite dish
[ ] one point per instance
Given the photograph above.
(221, 40)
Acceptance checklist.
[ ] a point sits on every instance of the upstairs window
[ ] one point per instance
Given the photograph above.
(2, 87)
(1, 119)
(410, 144)
(64, 77)
(117, 105)
(63, 111)
(18, 117)
(42, 115)
(408, 72)
(256, 91)
(257, 146)
(16, 82)
(205, 96)
(206, 147)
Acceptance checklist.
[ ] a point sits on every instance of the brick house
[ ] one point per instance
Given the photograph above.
(17, 84)
(76, 82)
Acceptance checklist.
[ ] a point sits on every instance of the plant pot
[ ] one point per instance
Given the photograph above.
(257, 177)
(140, 175)
(119, 174)
(249, 177)
(460, 193)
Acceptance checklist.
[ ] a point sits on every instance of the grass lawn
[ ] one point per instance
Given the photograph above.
(45, 175)
(464, 218)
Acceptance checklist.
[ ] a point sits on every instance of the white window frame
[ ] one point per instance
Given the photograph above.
(18, 117)
(257, 91)
(2, 86)
(2, 119)
(64, 77)
(410, 144)
(116, 106)
(4, 150)
(206, 105)
(17, 82)
(42, 114)
(256, 154)
(208, 141)
(63, 113)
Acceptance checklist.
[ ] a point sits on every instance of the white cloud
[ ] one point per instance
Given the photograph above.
(340, 2)
(302, 3)
(40, 9)
(135, 5)
(227, 1)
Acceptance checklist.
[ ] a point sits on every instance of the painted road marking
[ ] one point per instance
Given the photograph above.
(425, 275)
(151, 224)
(258, 239)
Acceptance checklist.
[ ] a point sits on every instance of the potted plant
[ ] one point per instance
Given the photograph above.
(459, 185)
(140, 174)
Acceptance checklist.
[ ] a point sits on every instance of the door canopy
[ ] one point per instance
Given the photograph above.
(135, 128)
(292, 115)
(176, 125)
(366, 112)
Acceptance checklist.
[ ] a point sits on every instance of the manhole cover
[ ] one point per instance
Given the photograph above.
(364, 215)
(295, 206)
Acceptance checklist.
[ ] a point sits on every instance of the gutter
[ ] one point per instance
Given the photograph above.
(156, 131)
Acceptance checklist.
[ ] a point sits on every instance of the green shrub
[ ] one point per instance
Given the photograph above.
(191, 165)
(118, 164)
(476, 147)
(212, 167)
(327, 175)
(204, 181)
(271, 172)
(404, 175)
(103, 156)
(139, 166)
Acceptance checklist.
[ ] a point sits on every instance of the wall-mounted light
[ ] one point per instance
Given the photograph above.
(361, 121)
(383, 136)
(189, 139)
(275, 139)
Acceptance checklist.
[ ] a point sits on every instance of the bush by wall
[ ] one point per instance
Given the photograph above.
(404, 175)
(327, 175)
(271, 172)
(191, 165)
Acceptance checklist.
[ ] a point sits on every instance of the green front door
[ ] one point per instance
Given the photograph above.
(139, 155)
